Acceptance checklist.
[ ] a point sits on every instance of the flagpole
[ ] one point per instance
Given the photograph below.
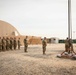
(69, 20)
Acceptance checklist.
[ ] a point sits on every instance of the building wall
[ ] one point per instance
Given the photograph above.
(31, 40)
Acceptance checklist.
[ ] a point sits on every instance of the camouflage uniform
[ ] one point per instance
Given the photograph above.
(44, 44)
(15, 43)
(67, 46)
(19, 43)
(7, 44)
(25, 44)
(3, 44)
(11, 43)
(0, 44)
(71, 46)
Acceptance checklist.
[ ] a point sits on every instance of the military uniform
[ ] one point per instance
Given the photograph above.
(3, 44)
(11, 43)
(7, 44)
(44, 44)
(19, 43)
(67, 46)
(71, 46)
(25, 44)
(0, 44)
(15, 43)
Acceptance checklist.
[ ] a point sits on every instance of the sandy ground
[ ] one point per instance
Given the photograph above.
(17, 62)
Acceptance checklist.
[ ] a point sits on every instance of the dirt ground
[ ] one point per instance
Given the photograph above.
(17, 62)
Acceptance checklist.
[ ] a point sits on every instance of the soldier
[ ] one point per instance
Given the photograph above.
(3, 44)
(15, 43)
(7, 43)
(0, 44)
(25, 44)
(44, 44)
(11, 43)
(67, 46)
(19, 43)
(71, 50)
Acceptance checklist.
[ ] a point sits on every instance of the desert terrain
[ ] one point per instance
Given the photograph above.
(17, 62)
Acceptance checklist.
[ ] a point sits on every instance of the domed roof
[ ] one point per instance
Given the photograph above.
(7, 29)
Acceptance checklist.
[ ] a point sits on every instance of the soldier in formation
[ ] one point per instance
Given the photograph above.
(44, 44)
(3, 44)
(25, 44)
(15, 43)
(9, 43)
(19, 43)
(0, 44)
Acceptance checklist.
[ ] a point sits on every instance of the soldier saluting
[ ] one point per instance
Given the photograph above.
(25, 44)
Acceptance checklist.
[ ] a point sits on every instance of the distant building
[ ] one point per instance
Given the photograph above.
(7, 29)
(53, 40)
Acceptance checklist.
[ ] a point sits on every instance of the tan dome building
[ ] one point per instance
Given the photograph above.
(7, 29)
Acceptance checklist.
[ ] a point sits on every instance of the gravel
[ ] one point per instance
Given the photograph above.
(17, 62)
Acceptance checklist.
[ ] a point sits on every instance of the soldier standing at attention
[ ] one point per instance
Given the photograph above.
(19, 43)
(3, 44)
(0, 44)
(15, 43)
(25, 44)
(44, 44)
(7, 43)
(11, 43)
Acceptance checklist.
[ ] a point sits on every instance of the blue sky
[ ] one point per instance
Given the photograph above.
(39, 17)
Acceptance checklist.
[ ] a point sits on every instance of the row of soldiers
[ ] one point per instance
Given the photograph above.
(9, 43)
